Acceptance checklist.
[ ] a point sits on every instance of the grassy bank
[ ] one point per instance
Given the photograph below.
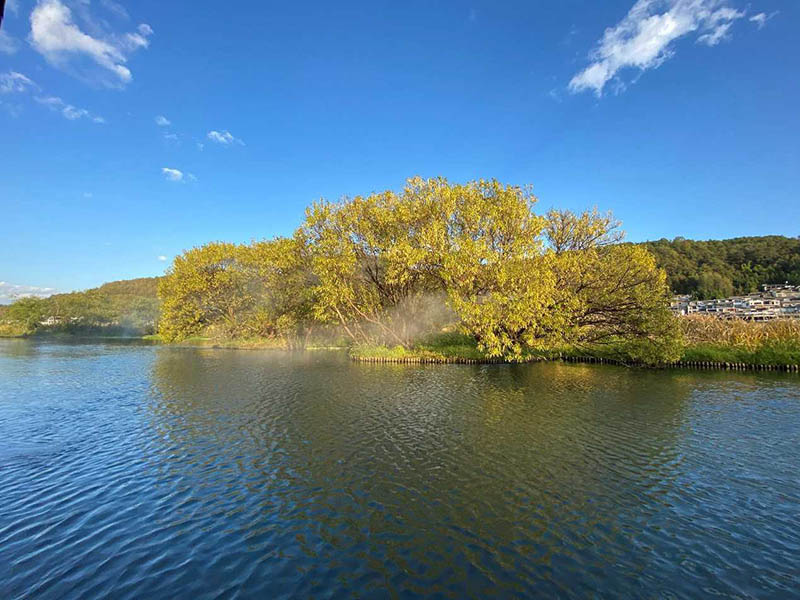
(441, 348)
(735, 341)
(762, 351)
(255, 343)
(773, 354)
(707, 341)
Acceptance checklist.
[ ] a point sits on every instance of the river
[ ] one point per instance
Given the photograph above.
(137, 471)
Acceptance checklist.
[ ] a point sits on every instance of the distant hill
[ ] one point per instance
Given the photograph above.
(119, 308)
(721, 268)
(146, 287)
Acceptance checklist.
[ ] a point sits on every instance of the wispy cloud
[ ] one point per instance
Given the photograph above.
(56, 36)
(68, 111)
(163, 121)
(8, 44)
(162, 258)
(10, 292)
(644, 39)
(115, 8)
(13, 82)
(761, 18)
(224, 137)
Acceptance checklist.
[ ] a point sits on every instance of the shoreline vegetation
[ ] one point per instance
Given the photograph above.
(748, 346)
(439, 273)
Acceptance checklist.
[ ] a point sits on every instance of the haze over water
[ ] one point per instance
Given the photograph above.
(134, 471)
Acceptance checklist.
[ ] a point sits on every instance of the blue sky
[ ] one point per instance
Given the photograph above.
(130, 131)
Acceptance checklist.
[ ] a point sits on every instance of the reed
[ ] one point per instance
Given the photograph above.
(737, 333)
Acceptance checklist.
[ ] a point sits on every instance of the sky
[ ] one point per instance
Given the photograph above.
(132, 131)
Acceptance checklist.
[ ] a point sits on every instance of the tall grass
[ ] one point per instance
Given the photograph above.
(748, 335)
(705, 339)
(735, 340)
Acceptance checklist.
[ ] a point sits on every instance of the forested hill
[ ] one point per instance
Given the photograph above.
(128, 307)
(721, 268)
(146, 287)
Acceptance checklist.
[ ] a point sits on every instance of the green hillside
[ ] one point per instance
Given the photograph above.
(146, 287)
(119, 308)
(721, 268)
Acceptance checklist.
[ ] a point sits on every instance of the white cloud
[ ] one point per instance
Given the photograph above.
(56, 36)
(176, 175)
(224, 137)
(13, 7)
(162, 258)
(12, 82)
(172, 174)
(10, 292)
(68, 111)
(163, 121)
(643, 39)
(761, 18)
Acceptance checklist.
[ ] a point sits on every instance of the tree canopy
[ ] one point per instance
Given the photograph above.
(392, 266)
(389, 267)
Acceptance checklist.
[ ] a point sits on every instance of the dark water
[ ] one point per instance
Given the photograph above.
(147, 472)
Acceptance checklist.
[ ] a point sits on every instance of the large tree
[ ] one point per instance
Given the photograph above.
(205, 287)
(498, 280)
(283, 286)
(372, 259)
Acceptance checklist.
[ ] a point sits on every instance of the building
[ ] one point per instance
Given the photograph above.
(774, 301)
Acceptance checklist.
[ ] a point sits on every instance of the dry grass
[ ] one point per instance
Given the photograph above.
(749, 335)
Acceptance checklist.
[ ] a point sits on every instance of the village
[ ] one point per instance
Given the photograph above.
(774, 301)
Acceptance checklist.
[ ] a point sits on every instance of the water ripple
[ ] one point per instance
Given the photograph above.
(131, 471)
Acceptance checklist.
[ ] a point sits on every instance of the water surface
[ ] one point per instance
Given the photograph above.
(132, 471)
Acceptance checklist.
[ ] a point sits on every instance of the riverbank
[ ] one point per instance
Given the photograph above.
(455, 349)
(681, 364)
